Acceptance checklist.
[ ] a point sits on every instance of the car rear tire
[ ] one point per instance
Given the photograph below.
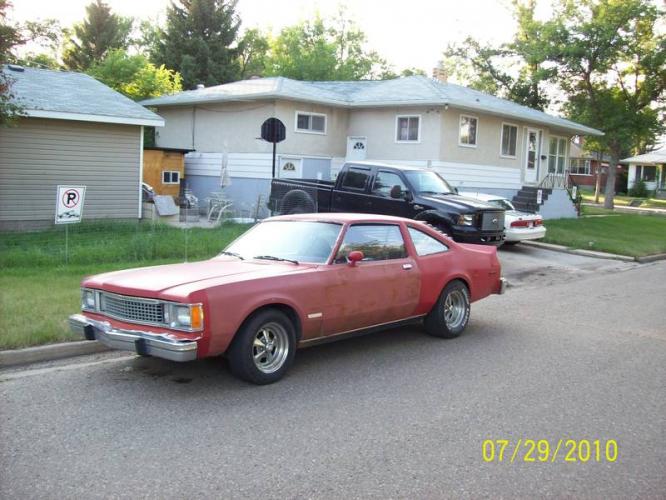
(450, 315)
(263, 348)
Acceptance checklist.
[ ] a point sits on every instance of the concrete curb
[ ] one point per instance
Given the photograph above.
(50, 352)
(651, 258)
(584, 253)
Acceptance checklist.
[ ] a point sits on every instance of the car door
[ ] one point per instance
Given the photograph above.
(387, 195)
(382, 288)
(351, 193)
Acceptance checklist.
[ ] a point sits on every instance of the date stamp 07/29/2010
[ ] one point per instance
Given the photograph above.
(547, 451)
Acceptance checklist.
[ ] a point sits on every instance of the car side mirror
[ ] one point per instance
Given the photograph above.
(407, 195)
(455, 190)
(396, 192)
(355, 257)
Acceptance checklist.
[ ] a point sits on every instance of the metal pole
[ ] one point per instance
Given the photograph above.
(66, 244)
(274, 160)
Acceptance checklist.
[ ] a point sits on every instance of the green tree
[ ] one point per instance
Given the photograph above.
(199, 41)
(46, 38)
(253, 54)
(91, 40)
(323, 50)
(10, 37)
(135, 76)
(517, 71)
(611, 63)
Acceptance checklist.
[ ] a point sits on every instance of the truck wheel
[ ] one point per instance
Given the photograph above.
(450, 315)
(297, 202)
(263, 348)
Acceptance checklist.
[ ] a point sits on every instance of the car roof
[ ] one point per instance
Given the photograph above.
(365, 163)
(340, 218)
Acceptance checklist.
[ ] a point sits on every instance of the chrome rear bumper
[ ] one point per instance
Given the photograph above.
(159, 345)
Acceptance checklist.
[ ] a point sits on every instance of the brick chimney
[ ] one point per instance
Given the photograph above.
(439, 73)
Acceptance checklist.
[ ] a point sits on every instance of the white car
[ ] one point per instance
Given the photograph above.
(518, 226)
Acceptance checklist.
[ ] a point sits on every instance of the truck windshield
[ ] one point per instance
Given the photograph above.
(425, 182)
(501, 203)
(299, 241)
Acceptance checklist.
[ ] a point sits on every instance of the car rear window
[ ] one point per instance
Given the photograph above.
(426, 244)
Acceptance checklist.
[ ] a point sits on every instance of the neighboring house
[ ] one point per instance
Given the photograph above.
(585, 167)
(476, 141)
(75, 130)
(649, 167)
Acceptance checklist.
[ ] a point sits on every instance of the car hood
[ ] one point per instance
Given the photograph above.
(151, 281)
(458, 202)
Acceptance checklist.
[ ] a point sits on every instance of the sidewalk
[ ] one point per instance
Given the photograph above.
(631, 210)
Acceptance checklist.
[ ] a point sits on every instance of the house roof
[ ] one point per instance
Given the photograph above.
(654, 157)
(406, 91)
(65, 95)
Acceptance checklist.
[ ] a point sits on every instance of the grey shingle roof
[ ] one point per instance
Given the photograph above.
(74, 96)
(654, 157)
(407, 91)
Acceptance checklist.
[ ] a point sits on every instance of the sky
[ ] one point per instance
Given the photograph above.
(408, 33)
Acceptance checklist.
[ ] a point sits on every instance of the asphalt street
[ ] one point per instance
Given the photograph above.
(576, 349)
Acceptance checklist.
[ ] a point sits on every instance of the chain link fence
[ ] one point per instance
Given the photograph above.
(114, 241)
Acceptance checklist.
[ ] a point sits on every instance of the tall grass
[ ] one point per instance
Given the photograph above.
(38, 290)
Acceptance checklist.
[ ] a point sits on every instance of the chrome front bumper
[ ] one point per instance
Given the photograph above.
(159, 345)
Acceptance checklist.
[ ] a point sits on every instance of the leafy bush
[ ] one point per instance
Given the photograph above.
(639, 190)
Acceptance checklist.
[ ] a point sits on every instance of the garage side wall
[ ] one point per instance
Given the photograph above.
(38, 154)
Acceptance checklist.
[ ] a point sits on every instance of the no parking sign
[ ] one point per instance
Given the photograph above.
(69, 204)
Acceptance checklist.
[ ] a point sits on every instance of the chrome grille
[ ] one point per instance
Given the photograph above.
(492, 221)
(132, 308)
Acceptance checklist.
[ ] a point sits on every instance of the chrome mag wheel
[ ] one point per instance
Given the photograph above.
(455, 309)
(270, 347)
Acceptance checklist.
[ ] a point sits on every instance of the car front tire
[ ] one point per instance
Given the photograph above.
(450, 315)
(263, 348)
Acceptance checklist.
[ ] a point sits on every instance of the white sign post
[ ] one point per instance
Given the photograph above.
(69, 209)
(539, 197)
(69, 204)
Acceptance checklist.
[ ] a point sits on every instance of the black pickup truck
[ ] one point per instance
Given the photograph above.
(415, 193)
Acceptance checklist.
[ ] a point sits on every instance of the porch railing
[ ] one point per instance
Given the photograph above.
(563, 181)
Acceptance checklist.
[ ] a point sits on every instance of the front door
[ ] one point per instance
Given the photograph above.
(532, 156)
(356, 148)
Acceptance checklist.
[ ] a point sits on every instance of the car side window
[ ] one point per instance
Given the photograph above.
(426, 244)
(388, 185)
(356, 178)
(376, 241)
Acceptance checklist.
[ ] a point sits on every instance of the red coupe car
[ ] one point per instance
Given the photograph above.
(291, 281)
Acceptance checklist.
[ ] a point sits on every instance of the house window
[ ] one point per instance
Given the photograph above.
(468, 129)
(649, 173)
(408, 128)
(509, 140)
(170, 177)
(580, 166)
(313, 123)
(556, 155)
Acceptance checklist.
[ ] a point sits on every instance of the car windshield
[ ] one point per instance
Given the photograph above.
(501, 203)
(428, 182)
(299, 241)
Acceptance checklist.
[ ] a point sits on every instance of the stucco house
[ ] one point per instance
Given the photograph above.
(74, 130)
(476, 141)
(649, 167)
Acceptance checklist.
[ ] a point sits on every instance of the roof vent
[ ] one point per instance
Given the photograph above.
(200, 86)
(16, 67)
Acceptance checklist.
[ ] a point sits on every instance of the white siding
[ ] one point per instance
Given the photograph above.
(478, 176)
(249, 165)
(38, 154)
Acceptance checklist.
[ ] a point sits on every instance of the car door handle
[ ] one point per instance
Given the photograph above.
(406, 267)
(418, 207)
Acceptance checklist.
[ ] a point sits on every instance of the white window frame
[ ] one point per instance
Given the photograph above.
(476, 135)
(171, 172)
(514, 156)
(418, 133)
(307, 131)
(564, 154)
(586, 161)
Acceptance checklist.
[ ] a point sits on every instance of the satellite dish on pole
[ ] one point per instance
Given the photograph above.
(273, 131)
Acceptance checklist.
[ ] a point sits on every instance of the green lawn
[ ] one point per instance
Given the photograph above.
(38, 291)
(620, 200)
(624, 234)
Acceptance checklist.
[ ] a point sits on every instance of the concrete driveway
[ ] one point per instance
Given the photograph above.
(576, 353)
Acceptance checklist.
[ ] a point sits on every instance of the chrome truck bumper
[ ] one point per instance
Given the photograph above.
(144, 343)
